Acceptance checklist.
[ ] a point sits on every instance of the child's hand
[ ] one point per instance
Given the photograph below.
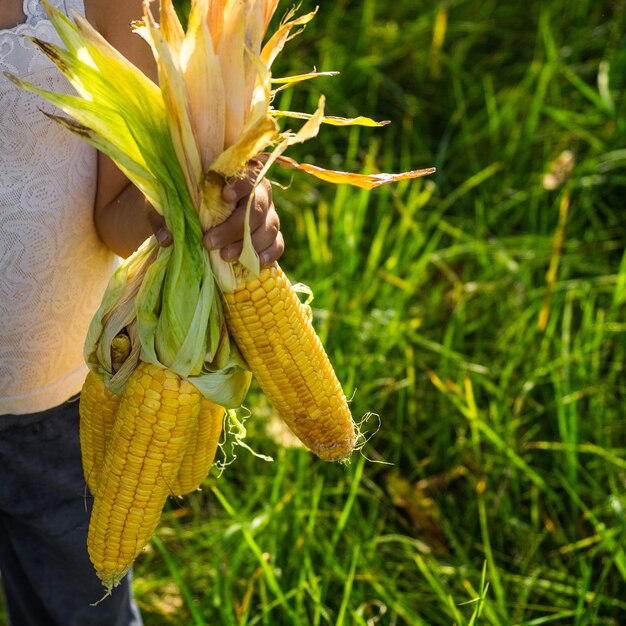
(228, 236)
(264, 223)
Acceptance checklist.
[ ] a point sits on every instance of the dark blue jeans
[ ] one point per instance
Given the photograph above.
(47, 577)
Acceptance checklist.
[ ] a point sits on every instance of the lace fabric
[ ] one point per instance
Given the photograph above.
(53, 266)
(35, 11)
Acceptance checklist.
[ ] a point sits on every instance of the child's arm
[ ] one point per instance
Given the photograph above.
(122, 216)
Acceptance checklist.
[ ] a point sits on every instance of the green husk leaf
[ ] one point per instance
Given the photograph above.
(64, 26)
(174, 97)
(102, 119)
(134, 171)
(148, 306)
(227, 387)
(117, 312)
(182, 329)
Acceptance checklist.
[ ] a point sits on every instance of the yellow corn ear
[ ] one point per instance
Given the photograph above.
(275, 335)
(150, 434)
(201, 448)
(97, 408)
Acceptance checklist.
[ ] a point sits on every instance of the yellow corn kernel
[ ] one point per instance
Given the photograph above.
(97, 412)
(201, 448)
(123, 519)
(290, 363)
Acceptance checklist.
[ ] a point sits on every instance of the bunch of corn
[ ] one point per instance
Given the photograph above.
(196, 324)
(146, 433)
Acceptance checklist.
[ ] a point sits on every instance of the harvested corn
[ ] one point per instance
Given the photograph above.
(201, 448)
(196, 324)
(97, 413)
(153, 424)
(277, 339)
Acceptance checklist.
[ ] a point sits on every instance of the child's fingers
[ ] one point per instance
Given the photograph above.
(262, 215)
(267, 240)
(273, 252)
(160, 230)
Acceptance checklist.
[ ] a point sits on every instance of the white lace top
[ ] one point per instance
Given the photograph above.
(53, 266)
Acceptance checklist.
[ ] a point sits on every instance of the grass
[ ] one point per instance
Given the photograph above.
(477, 317)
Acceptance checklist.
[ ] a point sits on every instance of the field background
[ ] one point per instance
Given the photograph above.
(478, 315)
(477, 320)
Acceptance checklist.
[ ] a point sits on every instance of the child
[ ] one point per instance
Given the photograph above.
(65, 212)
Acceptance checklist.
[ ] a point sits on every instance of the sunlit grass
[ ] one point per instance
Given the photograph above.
(477, 315)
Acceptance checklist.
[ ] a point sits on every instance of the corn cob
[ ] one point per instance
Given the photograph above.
(201, 448)
(275, 335)
(97, 413)
(151, 430)
(97, 408)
